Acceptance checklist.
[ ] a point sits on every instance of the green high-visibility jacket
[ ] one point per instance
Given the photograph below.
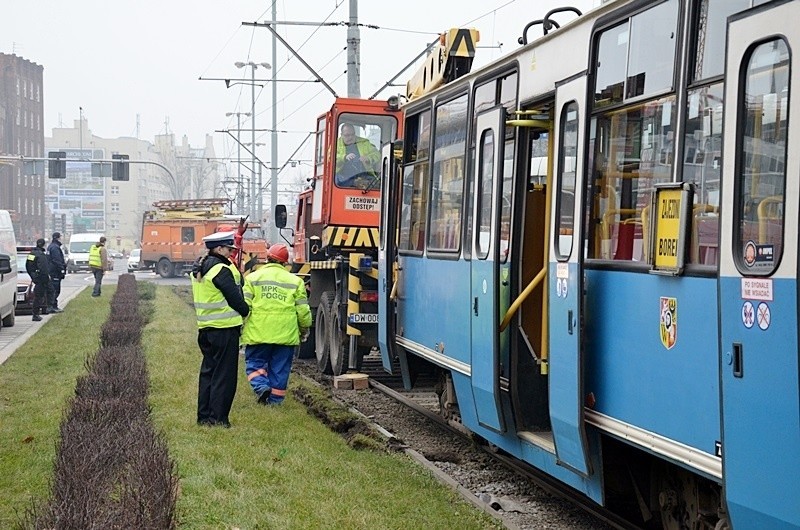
(365, 149)
(279, 307)
(210, 306)
(95, 259)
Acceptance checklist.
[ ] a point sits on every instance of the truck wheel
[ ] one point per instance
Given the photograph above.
(321, 330)
(165, 268)
(307, 349)
(340, 342)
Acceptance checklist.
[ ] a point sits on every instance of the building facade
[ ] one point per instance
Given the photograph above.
(22, 134)
(88, 200)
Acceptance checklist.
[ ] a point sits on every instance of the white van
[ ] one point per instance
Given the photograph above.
(8, 270)
(78, 249)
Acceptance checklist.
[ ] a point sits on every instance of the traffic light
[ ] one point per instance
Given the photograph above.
(57, 164)
(120, 167)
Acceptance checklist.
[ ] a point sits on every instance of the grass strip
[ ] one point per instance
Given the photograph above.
(278, 467)
(35, 384)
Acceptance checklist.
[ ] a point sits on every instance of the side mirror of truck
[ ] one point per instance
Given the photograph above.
(5, 264)
(280, 215)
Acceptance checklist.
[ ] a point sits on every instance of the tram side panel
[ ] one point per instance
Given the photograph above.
(652, 360)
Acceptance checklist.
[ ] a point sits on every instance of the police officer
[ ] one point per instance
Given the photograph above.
(279, 318)
(220, 309)
(58, 271)
(39, 271)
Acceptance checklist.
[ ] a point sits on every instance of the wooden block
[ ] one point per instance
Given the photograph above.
(342, 382)
(351, 381)
(360, 381)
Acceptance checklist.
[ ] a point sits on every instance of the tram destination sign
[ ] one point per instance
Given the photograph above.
(672, 206)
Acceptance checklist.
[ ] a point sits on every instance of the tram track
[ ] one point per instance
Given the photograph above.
(518, 495)
(540, 479)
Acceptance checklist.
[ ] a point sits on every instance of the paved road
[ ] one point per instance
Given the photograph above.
(71, 286)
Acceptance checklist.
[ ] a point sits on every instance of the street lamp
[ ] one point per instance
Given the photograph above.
(240, 189)
(253, 67)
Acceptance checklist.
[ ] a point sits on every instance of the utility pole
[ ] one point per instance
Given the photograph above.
(253, 202)
(273, 195)
(353, 56)
(239, 178)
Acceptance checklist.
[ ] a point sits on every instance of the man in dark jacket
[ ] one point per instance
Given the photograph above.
(58, 270)
(38, 270)
(220, 309)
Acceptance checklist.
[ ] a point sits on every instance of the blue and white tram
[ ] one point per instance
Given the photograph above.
(593, 241)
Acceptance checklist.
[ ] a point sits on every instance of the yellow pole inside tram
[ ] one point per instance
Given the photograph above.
(548, 201)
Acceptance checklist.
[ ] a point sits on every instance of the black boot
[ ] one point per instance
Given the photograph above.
(36, 318)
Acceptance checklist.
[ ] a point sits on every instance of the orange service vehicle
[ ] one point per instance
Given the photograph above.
(172, 235)
(335, 237)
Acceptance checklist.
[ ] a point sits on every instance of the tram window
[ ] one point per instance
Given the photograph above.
(485, 98)
(414, 208)
(632, 152)
(712, 25)
(508, 91)
(485, 188)
(702, 166)
(506, 190)
(447, 181)
(567, 158)
(761, 150)
(418, 137)
(637, 58)
(612, 52)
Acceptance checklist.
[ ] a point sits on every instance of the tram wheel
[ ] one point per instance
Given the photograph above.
(321, 332)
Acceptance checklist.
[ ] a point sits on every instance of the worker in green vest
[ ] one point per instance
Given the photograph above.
(98, 263)
(220, 309)
(280, 318)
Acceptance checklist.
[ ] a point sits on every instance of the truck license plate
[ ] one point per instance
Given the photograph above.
(364, 318)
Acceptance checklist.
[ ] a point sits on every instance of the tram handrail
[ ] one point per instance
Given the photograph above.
(764, 215)
(512, 309)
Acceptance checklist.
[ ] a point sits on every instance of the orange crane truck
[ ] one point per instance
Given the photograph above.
(335, 237)
(172, 235)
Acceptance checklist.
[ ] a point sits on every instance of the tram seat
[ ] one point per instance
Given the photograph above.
(623, 233)
(704, 247)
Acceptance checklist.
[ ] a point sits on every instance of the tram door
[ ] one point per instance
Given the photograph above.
(485, 361)
(565, 281)
(759, 365)
(387, 249)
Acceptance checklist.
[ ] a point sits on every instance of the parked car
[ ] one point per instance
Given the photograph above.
(115, 254)
(8, 266)
(24, 284)
(134, 260)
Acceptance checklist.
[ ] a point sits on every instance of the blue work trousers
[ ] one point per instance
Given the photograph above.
(267, 367)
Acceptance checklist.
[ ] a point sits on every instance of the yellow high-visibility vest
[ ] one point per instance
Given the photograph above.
(210, 306)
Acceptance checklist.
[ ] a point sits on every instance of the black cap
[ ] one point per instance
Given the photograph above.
(40, 242)
(56, 235)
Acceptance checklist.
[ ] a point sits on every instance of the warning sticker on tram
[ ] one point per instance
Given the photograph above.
(364, 318)
(361, 204)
